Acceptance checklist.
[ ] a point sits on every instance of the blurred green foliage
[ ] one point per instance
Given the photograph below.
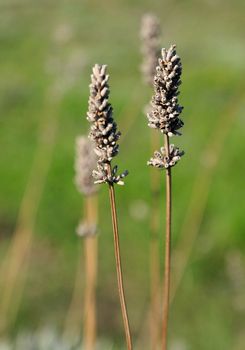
(47, 50)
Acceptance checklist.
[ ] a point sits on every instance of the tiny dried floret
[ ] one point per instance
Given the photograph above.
(103, 129)
(163, 161)
(101, 175)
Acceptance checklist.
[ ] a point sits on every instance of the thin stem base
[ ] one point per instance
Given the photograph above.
(119, 268)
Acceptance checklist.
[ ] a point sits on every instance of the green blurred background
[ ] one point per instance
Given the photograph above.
(47, 51)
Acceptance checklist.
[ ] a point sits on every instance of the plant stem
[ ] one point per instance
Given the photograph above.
(119, 267)
(90, 250)
(74, 316)
(167, 251)
(154, 248)
(90, 247)
(86, 266)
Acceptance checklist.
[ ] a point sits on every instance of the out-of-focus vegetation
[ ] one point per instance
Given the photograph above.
(47, 51)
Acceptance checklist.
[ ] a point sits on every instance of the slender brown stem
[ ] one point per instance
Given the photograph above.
(198, 202)
(74, 316)
(167, 269)
(119, 267)
(86, 266)
(154, 248)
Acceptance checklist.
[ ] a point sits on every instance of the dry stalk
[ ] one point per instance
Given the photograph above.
(90, 253)
(199, 196)
(85, 160)
(154, 251)
(167, 269)
(88, 261)
(74, 317)
(105, 135)
(119, 266)
(165, 117)
(150, 38)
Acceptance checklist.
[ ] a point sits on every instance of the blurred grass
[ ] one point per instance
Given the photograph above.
(209, 36)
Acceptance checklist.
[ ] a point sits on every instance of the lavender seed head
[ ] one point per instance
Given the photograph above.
(162, 161)
(150, 37)
(166, 110)
(103, 131)
(165, 107)
(85, 161)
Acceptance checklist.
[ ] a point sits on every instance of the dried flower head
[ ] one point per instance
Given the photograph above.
(149, 33)
(102, 176)
(163, 161)
(85, 162)
(166, 110)
(103, 129)
(165, 107)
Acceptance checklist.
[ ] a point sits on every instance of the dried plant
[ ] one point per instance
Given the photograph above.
(150, 34)
(104, 134)
(85, 160)
(165, 107)
(84, 163)
(198, 199)
(150, 39)
(164, 116)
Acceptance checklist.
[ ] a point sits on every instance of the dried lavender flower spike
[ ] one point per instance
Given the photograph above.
(165, 107)
(105, 135)
(103, 131)
(164, 116)
(166, 110)
(149, 33)
(85, 161)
